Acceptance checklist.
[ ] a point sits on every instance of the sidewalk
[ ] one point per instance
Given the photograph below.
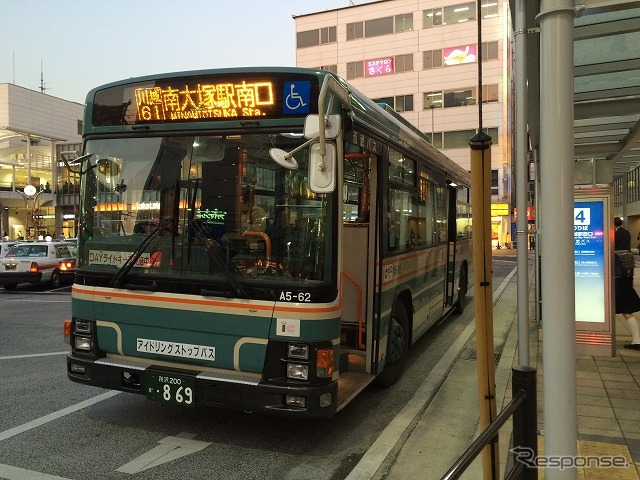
(608, 404)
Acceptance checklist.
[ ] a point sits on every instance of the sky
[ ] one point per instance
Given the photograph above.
(81, 44)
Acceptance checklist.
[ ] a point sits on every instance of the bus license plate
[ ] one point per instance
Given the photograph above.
(171, 388)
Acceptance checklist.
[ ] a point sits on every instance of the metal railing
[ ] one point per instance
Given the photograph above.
(523, 407)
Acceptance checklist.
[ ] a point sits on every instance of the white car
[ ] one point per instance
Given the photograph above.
(37, 262)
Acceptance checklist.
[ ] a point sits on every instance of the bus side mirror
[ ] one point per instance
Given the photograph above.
(322, 170)
(331, 126)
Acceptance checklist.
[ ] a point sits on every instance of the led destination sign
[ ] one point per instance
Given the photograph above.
(204, 101)
(199, 98)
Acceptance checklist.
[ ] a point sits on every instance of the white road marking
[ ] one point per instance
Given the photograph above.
(55, 415)
(33, 355)
(170, 448)
(16, 473)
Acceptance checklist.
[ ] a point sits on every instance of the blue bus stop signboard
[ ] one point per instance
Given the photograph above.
(592, 230)
(589, 235)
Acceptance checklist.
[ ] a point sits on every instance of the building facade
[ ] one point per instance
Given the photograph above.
(38, 191)
(421, 58)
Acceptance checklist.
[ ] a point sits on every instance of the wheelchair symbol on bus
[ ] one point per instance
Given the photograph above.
(294, 100)
(297, 97)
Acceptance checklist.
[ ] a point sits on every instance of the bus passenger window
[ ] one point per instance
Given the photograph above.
(402, 217)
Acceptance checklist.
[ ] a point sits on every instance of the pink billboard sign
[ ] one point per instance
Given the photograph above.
(460, 55)
(378, 66)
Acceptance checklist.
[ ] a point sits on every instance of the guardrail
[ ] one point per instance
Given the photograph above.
(523, 407)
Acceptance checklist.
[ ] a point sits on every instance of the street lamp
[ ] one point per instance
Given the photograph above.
(29, 193)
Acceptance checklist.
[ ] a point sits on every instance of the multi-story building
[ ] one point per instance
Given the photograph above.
(421, 58)
(38, 192)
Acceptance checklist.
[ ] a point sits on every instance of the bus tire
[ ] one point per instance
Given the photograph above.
(462, 293)
(397, 347)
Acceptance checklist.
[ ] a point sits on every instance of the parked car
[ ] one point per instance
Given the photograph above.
(37, 262)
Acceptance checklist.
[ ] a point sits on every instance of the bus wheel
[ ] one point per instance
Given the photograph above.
(397, 347)
(56, 279)
(462, 294)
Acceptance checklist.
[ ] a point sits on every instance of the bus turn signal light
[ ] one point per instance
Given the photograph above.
(67, 331)
(324, 363)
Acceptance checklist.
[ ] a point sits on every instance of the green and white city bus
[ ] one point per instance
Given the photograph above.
(266, 239)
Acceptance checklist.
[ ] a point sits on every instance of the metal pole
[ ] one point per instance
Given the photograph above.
(536, 195)
(525, 421)
(522, 187)
(432, 107)
(557, 201)
(28, 160)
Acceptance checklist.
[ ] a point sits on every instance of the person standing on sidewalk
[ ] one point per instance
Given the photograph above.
(626, 298)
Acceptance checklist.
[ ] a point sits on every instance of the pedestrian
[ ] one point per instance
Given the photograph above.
(626, 298)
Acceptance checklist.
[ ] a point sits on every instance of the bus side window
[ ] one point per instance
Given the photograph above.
(402, 220)
(441, 214)
(426, 210)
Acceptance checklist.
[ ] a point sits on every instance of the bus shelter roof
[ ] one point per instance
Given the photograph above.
(606, 81)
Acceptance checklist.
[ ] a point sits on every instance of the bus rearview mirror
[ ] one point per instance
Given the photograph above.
(322, 170)
(331, 126)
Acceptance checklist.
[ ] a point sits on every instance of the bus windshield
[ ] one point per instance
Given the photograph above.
(203, 213)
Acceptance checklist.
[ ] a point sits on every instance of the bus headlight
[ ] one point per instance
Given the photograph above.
(297, 371)
(82, 343)
(82, 326)
(297, 350)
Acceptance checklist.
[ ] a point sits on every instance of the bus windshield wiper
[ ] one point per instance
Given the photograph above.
(214, 250)
(121, 274)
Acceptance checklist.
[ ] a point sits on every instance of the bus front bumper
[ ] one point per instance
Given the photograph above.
(227, 391)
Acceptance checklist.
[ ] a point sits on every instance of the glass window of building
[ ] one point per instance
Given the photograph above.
(330, 68)
(494, 182)
(432, 59)
(404, 103)
(459, 97)
(404, 22)
(489, 8)
(432, 100)
(493, 133)
(355, 30)
(489, 51)
(435, 138)
(310, 38)
(403, 63)
(355, 70)
(327, 35)
(489, 93)
(458, 138)
(432, 17)
(378, 26)
(460, 13)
